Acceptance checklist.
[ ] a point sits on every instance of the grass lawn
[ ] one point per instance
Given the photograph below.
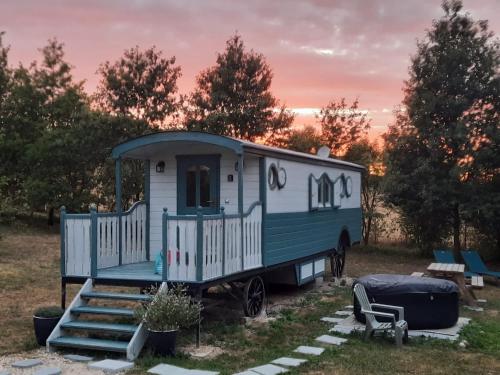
(29, 277)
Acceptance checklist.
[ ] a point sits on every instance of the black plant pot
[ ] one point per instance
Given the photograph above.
(43, 328)
(162, 342)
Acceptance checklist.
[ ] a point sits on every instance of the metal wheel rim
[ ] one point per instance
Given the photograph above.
(254, 297)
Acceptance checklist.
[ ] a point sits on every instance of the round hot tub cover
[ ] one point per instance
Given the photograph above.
(429, 303)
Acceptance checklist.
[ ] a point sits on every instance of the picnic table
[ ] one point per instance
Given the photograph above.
(454, 272)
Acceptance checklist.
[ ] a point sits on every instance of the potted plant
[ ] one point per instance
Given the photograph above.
(169, 310)
(44, 320)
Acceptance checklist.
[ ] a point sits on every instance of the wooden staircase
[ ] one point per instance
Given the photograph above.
(100, 331)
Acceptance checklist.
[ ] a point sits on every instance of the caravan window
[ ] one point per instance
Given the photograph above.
(321, 192)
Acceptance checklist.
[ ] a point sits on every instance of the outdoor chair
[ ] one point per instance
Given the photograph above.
(476, 264)
(446, 256)
(399, 325)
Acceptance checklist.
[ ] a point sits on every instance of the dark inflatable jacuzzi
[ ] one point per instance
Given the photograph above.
(429, 303)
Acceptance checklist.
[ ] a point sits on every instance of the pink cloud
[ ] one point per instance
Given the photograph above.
(319, 49)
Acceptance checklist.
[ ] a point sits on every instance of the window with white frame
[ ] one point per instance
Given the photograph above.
(321, 192)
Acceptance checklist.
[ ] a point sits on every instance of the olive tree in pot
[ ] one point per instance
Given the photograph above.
(44, 320)
(169, 310)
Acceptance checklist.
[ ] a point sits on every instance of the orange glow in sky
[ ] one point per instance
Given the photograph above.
(319, 50)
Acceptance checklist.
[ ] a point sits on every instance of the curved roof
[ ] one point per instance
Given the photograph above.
(239, 146)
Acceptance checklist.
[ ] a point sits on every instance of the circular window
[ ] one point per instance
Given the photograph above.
(272, 176)
(281, 178)
(346, 186)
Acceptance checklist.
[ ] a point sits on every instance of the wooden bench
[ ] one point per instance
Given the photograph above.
(417, 274)
(477, 282)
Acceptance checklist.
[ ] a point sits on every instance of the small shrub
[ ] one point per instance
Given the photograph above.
(169, 310)
(49, 312)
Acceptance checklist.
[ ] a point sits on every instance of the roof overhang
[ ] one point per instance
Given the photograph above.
(132, 148)
(143, 147)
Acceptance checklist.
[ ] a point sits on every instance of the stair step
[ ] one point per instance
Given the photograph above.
(88, 343)
(100, 326)
(117, 296)
(103, 310)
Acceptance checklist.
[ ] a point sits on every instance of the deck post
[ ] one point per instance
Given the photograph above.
(147, 195)
(118, 188)
(199, 245)
(62, 222)
(164, 231)
(240, 208)
(223, 241)
(93, 241)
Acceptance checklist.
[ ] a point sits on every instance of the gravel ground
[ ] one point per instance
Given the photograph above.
(48, 360)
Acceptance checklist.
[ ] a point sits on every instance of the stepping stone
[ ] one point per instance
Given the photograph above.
(48, 371)
(247, 372)
(269, 370)
(27, 363)
(349, 307)
(481, 300)
(346, 330)
(203, 372)
(290, 362)
(474, 308)
(165, 369)
(78, 358)
(111, 366)
(327, 339)
(343, 313)
(309, 350)
(328, 319)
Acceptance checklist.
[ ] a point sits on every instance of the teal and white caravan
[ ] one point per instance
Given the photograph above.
(216, 210)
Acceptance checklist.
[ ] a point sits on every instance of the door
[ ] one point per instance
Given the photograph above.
(198, 179)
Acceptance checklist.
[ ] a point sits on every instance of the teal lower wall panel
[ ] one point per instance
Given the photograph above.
(289, 236)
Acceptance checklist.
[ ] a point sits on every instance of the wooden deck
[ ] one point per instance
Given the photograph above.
(135, 271)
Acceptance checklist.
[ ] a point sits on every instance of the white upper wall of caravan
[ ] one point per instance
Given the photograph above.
(294, 197)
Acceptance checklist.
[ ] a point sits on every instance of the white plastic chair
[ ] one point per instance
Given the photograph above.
(399, 326)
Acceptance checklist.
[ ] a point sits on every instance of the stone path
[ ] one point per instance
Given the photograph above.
(111, 366)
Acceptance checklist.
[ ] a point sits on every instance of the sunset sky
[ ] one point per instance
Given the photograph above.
(319, 50)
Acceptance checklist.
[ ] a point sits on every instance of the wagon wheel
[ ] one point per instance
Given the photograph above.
(254, 296)
(337, 260)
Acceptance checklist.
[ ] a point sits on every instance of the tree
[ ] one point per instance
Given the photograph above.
(4, 68)
(342, 125)
(410, 185)
(369, 155)
(304, 140)
(233, 97)
(451, 98)
(141, 84)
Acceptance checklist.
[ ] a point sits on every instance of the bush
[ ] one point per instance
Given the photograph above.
(169, 310)
(49, 312)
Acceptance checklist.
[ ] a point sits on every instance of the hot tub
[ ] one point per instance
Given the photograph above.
(429, 303)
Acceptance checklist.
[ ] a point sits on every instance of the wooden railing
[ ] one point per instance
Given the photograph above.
(94, 241)
(223, 244)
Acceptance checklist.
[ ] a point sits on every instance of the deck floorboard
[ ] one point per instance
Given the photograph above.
(134, 271)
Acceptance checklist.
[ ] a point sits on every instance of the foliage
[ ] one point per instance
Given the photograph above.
(368, 155)
(169, 310)
(233, 98)
(141, 85)
(54, 149)
(434, 160)
(342, 125)
(49, 312)
(304, 140)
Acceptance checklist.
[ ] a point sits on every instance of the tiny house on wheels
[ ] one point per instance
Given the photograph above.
(216, 210)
